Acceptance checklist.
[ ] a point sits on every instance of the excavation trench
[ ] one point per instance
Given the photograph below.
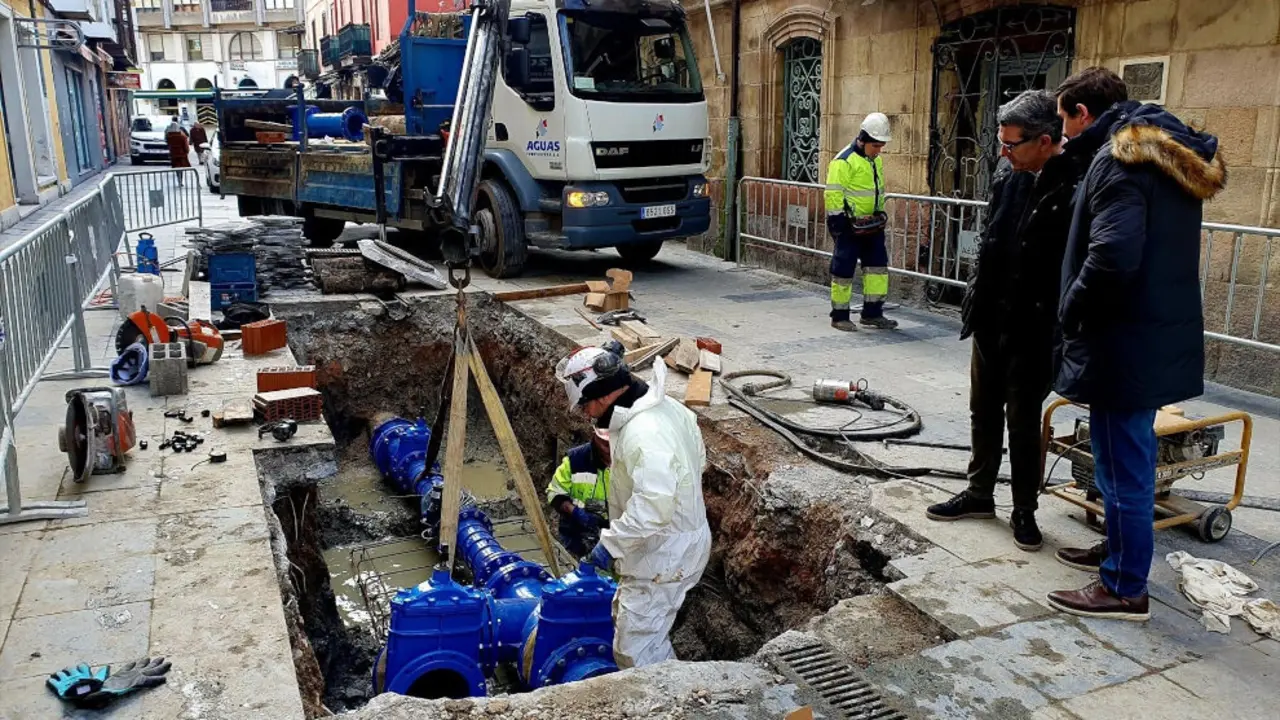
(791, 538)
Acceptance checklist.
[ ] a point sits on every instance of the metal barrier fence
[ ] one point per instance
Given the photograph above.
(935, 239)
(46, 280)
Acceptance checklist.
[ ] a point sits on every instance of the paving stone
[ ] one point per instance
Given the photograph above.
(98, 541)
(1169, 638)
(190, 482)
(966, 601)
(222, 598)
(1156, 697)
(43, 644)
(1268, 647)
(1057, 657)
(185, 531)
(970, 540)
(1242, 681)
(66, 587)
(130, 503)
(956, 681)
(932, 560)
(1053, 712)
(17, 551)
(1034, 574)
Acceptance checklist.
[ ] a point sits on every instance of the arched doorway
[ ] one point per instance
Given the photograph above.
(167, 104)
(247, 83)
(801, 109)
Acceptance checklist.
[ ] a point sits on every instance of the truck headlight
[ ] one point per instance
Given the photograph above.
(581, 199)
(701, 190)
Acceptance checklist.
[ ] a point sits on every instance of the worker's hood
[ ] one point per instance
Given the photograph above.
(1149, 134)
(657, 390)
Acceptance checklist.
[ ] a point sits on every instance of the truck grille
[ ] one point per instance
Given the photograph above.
(653, 190)
(646, 153)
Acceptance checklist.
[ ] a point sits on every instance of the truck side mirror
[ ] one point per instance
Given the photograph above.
(664, 48)
(517, 68)
(520, 30)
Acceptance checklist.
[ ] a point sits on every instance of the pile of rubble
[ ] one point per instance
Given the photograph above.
(275, 241)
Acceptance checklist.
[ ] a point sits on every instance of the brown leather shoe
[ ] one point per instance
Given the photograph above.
(1096, 601)
(1088, 560)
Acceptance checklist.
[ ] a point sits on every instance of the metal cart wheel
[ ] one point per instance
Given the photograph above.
(1214, 524)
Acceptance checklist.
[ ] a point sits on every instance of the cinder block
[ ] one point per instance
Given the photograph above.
(168, 369)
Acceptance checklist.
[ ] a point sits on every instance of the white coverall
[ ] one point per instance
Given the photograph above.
(658, 533)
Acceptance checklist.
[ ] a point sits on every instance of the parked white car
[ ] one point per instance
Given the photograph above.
(146, 138)
(211, 160)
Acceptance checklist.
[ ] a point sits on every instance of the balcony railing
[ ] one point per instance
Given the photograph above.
(230, 5)
(354, 41)
(309, 64)
(329, 51)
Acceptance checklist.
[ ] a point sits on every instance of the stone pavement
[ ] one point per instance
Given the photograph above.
(173, 558)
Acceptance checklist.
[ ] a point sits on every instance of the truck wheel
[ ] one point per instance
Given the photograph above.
(321, 232)
(502, 248)
(640, 252)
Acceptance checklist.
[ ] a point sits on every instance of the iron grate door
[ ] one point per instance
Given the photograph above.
(980, 62)
(801, 109)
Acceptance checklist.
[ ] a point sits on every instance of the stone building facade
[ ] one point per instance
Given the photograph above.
(808, 71)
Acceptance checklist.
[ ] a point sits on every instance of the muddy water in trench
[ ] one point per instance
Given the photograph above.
(404, 562)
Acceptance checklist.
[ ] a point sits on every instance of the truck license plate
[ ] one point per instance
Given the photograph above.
(657, 211)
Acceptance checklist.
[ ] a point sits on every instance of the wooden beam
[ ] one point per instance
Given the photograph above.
(455, 445)
(640, 359)
(529, 497)
(686, 355)
(546, 292)
(646, 334)
(698, 392)
(587, 317)
(626, 337)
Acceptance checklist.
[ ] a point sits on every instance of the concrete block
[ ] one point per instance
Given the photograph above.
(1148, 27)
(1236, 130)
(965, 601)
(893, 52)
(1241, 200)
(858, 95)
(1204, 25)
(96, 542)
(957, 682)
(1058, 657)
(1230, 77)
(68, 587)
(36, 646)
(167, 374)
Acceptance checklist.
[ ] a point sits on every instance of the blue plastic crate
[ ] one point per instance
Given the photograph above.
(232, 268)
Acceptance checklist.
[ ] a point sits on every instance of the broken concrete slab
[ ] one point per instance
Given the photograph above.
(966, 601)
(71, 586)
(931, 560)
(185, 531)
(874, 628)
(1170, 638)
(37, 646)
(1057, 657)
(956, 681)
(970, 540)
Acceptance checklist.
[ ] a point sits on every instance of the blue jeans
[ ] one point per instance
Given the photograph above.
(1124, 455)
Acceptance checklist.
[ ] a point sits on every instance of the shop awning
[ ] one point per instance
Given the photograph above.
(173, 94)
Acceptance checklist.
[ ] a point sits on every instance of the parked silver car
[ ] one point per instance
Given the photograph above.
(146, 138)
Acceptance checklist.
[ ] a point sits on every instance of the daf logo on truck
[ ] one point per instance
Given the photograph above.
(612, 151)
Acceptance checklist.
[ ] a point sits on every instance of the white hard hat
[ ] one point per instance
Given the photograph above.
(877, 126)
(584, 367)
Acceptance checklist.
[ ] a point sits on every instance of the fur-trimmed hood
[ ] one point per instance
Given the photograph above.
(1150, 134)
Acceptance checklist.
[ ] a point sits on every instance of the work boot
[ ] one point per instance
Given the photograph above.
(1026, 535)
(844, 325)
(880, 323)
(961, 507)
(1096, 601)
(1088, 560)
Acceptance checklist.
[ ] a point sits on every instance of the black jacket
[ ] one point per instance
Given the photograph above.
(1131, 318)
(1014, 287)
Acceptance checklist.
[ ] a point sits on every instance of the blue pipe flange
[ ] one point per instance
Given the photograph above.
(578, 660)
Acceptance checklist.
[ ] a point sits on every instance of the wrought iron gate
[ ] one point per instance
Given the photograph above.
(801, 109)
(980, 62)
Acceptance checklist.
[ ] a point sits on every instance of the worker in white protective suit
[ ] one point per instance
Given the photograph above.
(658, 540)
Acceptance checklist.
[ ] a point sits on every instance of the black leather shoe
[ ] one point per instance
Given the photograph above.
(1026, 535)
(961, 507)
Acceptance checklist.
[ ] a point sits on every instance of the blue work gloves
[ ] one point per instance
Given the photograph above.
(601, 558)
(96, 688)
(584, 518)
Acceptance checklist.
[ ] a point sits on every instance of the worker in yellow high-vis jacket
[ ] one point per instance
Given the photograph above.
(856, 221)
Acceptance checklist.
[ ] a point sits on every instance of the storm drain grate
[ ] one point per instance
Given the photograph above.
(838, 683)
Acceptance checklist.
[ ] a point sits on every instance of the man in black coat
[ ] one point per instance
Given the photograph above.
(1131, 319)
(1011, 307)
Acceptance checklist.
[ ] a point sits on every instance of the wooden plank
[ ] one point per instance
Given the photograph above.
(708, 360)
(698, 393)
(646, 334)
(587, 317)
(626, 337)
(529, 496)
(686, 355)
(454, 446)
(646, 355)
(546, 292)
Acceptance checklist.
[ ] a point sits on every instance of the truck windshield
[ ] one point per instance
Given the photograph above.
(624, 58)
